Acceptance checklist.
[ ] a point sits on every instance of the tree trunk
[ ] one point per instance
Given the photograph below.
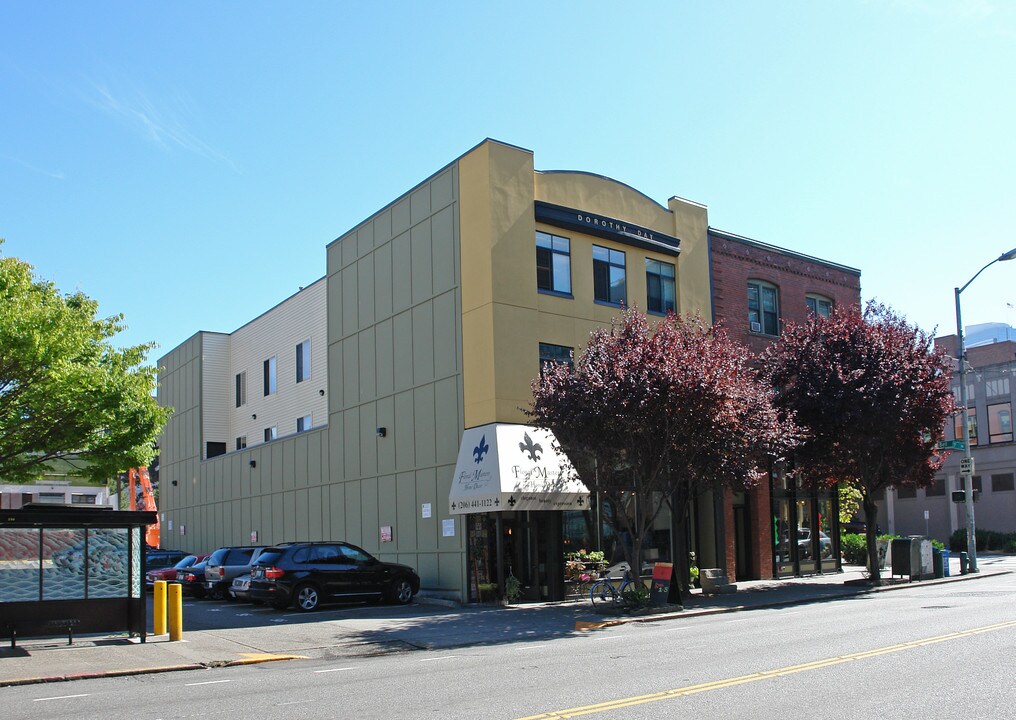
(681, 570)
(871, 535)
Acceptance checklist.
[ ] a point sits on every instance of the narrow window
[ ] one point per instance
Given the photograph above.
(763, 308)
(971, 424)
(555, 354)
(271, 433)
(269, 375)
(303, 361)
(241, 442)
(608, 276)
(661, 287)
(553, 263)
(303, 423)
(214, 449)
(241, 388)
(819, 305)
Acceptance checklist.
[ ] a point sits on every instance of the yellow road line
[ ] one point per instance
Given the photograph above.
(755, 677)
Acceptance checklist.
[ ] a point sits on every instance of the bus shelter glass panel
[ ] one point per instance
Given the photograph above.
(19, 565)
(63, 564)
(108, 563)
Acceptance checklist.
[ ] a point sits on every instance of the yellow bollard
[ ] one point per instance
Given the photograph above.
(159, 608)
(175, 612)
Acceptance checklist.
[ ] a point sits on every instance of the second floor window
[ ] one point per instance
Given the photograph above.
(556, 354)
(241, 388)
(763, 308)
(819, 305)
(971, 425)
(271, 433)
(241, 442)
(303, 361)
(553, 263)
(608, 276)
(660, 287)
(303, 424)
(1000, 423)
(270, 375)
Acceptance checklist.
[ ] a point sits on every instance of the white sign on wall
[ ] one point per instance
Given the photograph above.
(448, 527)
(425, 510)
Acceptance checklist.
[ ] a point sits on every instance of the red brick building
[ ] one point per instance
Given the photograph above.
(775, 529)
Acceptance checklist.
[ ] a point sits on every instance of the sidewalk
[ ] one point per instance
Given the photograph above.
(417, 626)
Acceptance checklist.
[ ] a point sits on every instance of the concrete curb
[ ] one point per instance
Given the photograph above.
(150, 670)
(790, 601)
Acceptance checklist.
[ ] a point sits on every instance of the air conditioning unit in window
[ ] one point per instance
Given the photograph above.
(756, 327)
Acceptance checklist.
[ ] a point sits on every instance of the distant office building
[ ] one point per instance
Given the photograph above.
(991, 382)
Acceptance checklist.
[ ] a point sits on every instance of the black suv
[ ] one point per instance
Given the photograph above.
(311, 573)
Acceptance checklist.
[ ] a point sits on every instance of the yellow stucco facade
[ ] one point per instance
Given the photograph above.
(504, 315)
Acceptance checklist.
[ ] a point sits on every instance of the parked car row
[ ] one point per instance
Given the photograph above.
(304, 575)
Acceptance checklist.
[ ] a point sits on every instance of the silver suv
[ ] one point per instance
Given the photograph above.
(225, 564)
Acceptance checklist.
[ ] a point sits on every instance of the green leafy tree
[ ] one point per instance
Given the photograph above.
(65, 391)
(872, 396)
(850, 501)
(652, 415)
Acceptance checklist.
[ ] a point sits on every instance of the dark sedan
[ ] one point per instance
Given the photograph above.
(313, 573)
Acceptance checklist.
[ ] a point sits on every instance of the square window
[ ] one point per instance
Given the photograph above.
(971, 425)
(303, 423)
(271, 433)
(1000, 422)
(609, 276)
(241, 442)
(553, 263)
(819, 305)
(1002, 482)
(555, 354)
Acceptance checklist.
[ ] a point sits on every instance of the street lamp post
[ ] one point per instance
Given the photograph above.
(968, 481)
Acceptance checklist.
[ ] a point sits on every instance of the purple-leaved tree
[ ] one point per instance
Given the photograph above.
(651, 415)
(871, 394)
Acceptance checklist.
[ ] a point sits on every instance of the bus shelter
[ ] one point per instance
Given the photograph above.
(67, 570)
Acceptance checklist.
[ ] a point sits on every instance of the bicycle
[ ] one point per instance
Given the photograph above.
(606, 594)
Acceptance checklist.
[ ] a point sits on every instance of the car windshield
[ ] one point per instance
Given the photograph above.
(186, 562)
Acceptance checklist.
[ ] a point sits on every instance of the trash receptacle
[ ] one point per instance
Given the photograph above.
(945, 562)
(963, 563)
(936, 559)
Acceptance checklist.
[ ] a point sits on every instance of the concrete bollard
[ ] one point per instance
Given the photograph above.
(159, 608)
(175, 612)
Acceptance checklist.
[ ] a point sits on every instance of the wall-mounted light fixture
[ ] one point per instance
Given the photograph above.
(382, 431)
(253, 463)
(321, 393)
(173, 483)
(254, 416)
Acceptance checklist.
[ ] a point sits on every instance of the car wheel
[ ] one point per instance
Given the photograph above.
(401, 591)
(307, 598)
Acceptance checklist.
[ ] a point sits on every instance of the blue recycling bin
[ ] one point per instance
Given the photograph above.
(945, 563)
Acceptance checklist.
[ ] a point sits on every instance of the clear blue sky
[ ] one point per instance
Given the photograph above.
(187, 163)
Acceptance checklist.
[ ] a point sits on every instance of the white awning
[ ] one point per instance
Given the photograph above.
(513, 467)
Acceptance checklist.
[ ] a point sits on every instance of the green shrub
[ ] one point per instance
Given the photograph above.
(986, 540)
(637, 596)
(854, 548)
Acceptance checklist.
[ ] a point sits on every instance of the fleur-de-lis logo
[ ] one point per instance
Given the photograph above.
(530, 447)
(480, 450)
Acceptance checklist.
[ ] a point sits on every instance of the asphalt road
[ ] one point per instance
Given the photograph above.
(938, 651)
